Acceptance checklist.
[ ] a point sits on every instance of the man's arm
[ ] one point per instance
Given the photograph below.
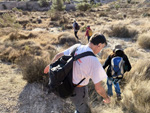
(57, 56)
(101, 91)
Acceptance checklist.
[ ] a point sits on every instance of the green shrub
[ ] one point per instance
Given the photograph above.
(117, 6)
(83, 29)
(83, 6)
(16, 10)
(58, 5)
(144, 41)
(67, 1)
(8, 20)
(53, 15)
(43, 3)
(96, 5)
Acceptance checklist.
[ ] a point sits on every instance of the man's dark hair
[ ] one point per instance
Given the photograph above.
(98, 38)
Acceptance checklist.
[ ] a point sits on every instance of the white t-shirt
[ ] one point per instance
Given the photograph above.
(87, 67)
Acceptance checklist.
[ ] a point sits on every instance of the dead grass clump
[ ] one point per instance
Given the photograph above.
(48, 55)
(122, 32)
(4, 55)
(136, 94)
(67, 39)
(11, 54)
(103, 14)
(5, 31)
(49, 47)
(144, 40)
(22, 43)
(32, 69)
(19, 36)
(142, 97)
(132, 53)
(136, 97)
(105, 53)
(140, 71)
(63, 20)
(54, 15)
(128, 100)
(34, 50)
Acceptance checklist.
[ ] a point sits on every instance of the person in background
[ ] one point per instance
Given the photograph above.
(88, 33)
(117, 52)
(76, 28)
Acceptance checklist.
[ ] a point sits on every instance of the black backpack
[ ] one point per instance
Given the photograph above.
(60, 74)
(77, 27)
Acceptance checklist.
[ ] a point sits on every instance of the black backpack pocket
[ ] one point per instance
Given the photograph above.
(66, 88)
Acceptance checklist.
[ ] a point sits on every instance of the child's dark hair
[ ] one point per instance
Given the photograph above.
(119, 53)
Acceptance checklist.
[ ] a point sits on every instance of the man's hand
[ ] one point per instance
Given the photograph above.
(101, 91)
(106, 100)
(46, 70)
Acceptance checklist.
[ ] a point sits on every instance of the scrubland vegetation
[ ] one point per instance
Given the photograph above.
(29, 40)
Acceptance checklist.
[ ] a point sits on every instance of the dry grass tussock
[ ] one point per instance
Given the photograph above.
(9, 54)
(131, 52)
(122, 31)
(19, 36)
(27, 44)
(105, 53)
(140, 71)
(66, 39)
(32, 69)
(136, 92)
(144, 40)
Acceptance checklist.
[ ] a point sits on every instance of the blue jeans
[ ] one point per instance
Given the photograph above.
(111, 81)
(88, 38)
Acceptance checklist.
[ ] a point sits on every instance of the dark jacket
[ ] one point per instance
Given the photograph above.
(127, 66)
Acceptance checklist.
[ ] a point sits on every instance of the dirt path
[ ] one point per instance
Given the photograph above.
(11, 85)
(17, 96)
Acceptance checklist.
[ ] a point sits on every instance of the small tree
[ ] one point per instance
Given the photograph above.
(43, 3)
(58, 5)
(85, 1)
(83, 6)
(9, 20)
(66, 1)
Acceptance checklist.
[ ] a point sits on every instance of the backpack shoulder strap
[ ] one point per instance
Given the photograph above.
(80, 82)
(88, 53)
(74, 50)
